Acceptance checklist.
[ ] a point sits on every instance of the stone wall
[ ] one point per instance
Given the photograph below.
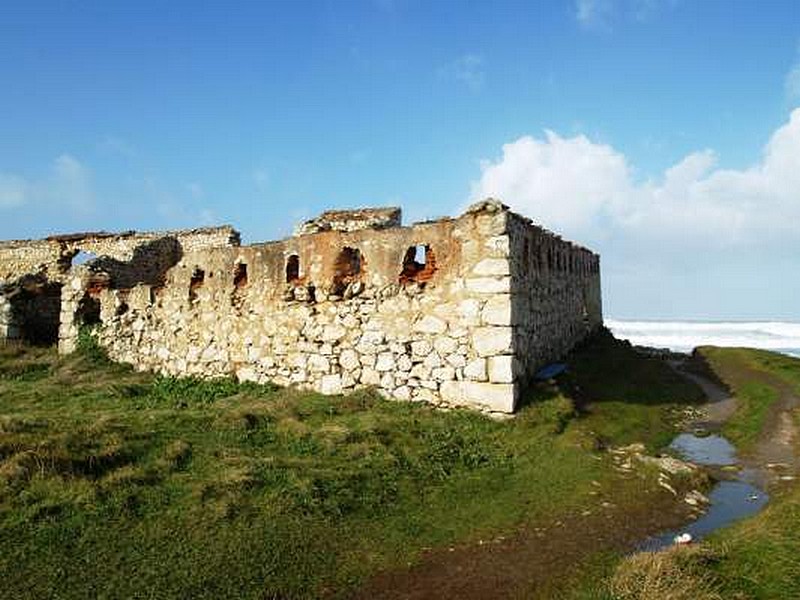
(33, 271)
(556, 299)
(456, 311)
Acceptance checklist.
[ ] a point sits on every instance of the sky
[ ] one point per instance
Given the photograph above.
(663, 134)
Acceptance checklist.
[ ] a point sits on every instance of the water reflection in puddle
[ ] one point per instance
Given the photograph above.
(730, 500)
(706, 450)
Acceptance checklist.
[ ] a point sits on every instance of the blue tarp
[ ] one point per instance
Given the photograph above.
(551, 371)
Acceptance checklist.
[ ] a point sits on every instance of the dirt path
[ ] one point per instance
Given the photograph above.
(773, 458)
(774, 455)
(534, 561)
(721, 404)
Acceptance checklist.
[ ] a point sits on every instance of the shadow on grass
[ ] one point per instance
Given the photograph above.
(618, 395)
(605, 369)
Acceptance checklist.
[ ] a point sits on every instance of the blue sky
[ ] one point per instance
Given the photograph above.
(660, 133)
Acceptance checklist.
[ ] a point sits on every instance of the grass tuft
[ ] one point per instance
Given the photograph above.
(679, 573)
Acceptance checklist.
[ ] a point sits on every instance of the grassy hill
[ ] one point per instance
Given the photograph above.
(117, 484)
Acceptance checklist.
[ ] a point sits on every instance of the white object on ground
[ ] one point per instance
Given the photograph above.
(683, 538)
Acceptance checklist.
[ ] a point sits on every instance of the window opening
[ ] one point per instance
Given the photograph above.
(195, 283)
(88, 312)
(419, 264)
(83, 257)
(347, 269)
(240, 276)
(293, 269)
(239, 285)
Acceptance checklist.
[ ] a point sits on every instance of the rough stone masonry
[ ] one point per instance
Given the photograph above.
(457, 311)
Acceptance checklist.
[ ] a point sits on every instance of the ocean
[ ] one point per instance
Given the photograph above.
(682, 336)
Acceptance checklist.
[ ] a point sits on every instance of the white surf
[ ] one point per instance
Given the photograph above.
(682, 336)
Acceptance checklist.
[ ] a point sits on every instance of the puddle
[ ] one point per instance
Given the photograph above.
(730, 500)
(710, 450)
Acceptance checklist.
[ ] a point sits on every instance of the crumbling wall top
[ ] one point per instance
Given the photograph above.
(222, 235)
(351, 220)
(488, 205)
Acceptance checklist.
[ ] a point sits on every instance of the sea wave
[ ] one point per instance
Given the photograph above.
(682, 336)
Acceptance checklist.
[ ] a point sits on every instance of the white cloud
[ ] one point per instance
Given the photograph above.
(13, 191)
(601, 15)
(68, 183)
(559, 181)
(467, 69)
(594, 14)
(586, 190)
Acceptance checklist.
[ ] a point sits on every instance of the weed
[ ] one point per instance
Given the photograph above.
(89, 348)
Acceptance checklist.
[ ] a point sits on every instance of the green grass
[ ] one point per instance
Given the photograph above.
(118, 484)
(761, 554)
(627, 397)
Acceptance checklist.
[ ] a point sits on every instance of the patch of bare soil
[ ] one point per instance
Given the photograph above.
(721, 404)
(534, 561)
(774, 455)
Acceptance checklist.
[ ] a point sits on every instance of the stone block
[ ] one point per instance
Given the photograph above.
(404, 363)
(385, 362)
(370, 377)
(502, 369)
(430, 324)
(489, 285)
(433, 360)
(348, 360)
(495, 397)
(489, 341)
(333, 333)
(497, 310)
(372, 337)
(456, 360)
(318, 363)
(247, 374)
(421, 348)
(402, 393)
(420, 371)
(468, 308)
(492, 267)
(387, 381)
(443, 373)
(476, 370)
(445, 345)
(331, 384)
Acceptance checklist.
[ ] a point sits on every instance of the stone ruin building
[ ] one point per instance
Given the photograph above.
(457, 311)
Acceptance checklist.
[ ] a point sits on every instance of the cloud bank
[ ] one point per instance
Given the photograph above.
(588, 191)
